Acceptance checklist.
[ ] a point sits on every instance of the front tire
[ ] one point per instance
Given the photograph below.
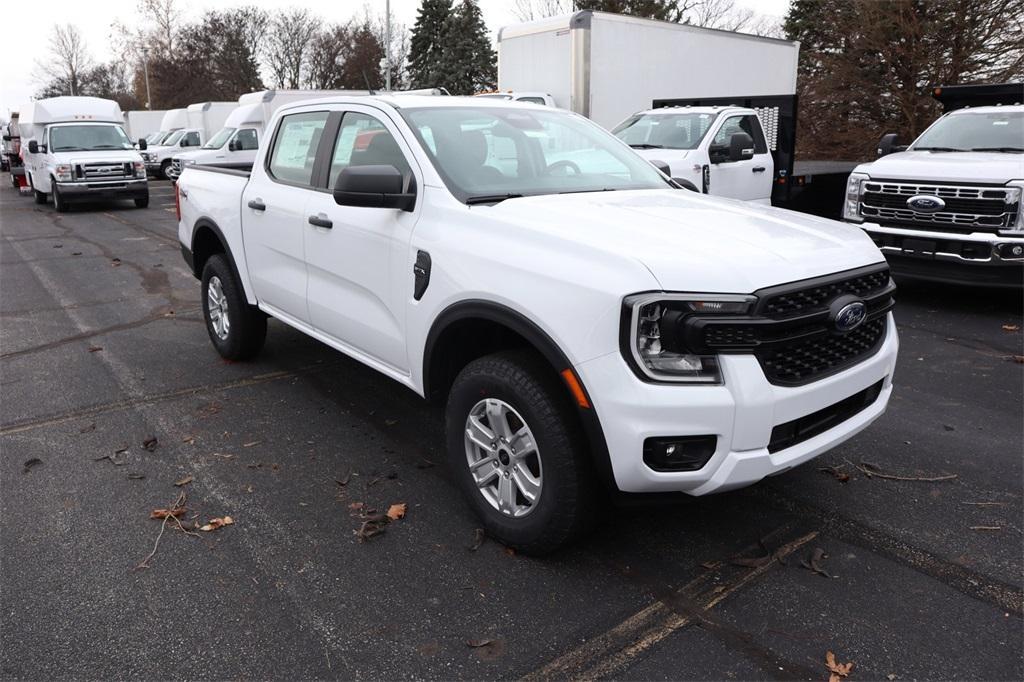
(518, 453)
(142, 202)
(40, 197)
(237, 329)
(164, 168)
(59, 204)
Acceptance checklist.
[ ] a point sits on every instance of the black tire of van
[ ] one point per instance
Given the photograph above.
(40, 197)
(164, 167)
(59, 204)
(142, 202)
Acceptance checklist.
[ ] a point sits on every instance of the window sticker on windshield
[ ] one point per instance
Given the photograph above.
(1000, 123)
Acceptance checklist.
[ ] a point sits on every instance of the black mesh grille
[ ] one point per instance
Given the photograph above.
(802, 361)
(804, 301)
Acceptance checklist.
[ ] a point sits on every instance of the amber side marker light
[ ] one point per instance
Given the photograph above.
(574, 385)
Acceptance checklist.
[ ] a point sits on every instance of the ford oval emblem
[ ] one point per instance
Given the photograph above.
(851, 316)
(925, 203)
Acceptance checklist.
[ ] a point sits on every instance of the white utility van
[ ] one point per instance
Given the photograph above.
(142, 124)
(201, 121)
(75, 149)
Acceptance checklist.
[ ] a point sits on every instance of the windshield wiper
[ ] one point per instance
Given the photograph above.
(998, 149)
(108, 146)
(647, 146)
(585, 191)
(937, 149)
(491, 198)
(70, 149)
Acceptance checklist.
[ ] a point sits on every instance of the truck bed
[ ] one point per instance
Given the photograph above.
(823, 167)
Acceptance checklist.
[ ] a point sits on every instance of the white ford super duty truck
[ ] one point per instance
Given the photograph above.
(589, 326)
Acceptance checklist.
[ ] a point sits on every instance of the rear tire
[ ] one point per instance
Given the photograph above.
(237, 329)
(509, 401)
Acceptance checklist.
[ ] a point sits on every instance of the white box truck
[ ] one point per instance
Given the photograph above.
(191, 128)
(75, 149)
(142, 123)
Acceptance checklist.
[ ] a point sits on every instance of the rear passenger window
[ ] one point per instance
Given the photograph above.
(364, 141)
(294, 152)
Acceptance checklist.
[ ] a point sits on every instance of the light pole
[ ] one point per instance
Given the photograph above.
(145, 70)
(387, 46)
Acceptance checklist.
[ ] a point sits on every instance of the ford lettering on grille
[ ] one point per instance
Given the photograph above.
(923, 203)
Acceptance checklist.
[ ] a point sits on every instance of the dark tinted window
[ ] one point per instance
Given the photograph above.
(742, 124)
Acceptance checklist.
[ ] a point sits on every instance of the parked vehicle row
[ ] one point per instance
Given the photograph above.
(186, 129)
(587, 323)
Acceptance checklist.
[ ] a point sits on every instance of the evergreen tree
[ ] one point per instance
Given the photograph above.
(471, 61)
(428, 48)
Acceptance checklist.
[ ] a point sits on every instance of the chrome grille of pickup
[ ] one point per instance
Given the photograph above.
(103, 171)
(967, 209)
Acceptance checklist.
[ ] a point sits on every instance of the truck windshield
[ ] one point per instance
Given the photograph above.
(488, 154)
(664, 131)
(85, 138)
(981, 131)
(219, 139)
(153, 137)
(173, 138)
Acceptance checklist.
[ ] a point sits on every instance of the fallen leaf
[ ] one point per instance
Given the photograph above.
(1011, 327)
(115, 262)
(371, 528)
(813, 562)
(396, 511)
(176, 512)
(251, 443)
(58, 246)
(87, 428)
(76, 253)
(343, 481)
(838, 670)
(35, 461)
(150, 443)
(184, 481)
(751, 562)
(95, 349)
(986, 527)
(113, 459)
(214, 524)
(477, 643)
(355, 506)
(836, 473)
(509, 551)
(134, 477)
(1019, 359)
(390, 422)
(188, 440)
(478, 539)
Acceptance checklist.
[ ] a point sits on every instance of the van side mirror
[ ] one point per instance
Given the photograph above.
(889, 143)
(234, 145)
(662, 166)
(373, 187)
(7, 138)
(143, 145)
(741, 147)
(33, 147)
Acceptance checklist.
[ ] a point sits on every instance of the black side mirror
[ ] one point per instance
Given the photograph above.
(143, 144)
(7, 138)
(741, 147)
(888, 144)
(33, 147)
(662, 166)
(234, 145)
(373, 187)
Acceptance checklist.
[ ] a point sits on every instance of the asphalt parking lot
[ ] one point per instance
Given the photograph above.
(912, 573)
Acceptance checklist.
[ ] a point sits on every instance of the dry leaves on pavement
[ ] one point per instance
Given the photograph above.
(183, 481)
(214, 524)
(838, 670)
(1011, 327)
(176, 512)
(396, 511)
(150, 443)
(813, 563)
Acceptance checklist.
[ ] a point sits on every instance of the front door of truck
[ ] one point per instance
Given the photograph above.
(747, 179)
(357, 256)
(274, 214)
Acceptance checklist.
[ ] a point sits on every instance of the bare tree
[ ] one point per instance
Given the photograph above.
(528, 10)
(399, 45)
(164, 18)
(728, 16)
(67, 59)
(287, 46)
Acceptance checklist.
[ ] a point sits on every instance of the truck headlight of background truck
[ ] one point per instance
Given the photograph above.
(851, 207)
(656, 327)
(1015, 197)
(63, 173)
(139, 168)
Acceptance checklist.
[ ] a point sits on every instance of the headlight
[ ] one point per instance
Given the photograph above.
(145, 156)
(1014, 196)
(139, 168)
(63, 173)
(656, 325)
(851, 205)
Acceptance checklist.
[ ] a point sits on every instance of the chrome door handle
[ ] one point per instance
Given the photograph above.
(257, 205)
(320, 221)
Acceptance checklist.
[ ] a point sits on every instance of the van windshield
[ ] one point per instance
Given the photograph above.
(219, 139)
(87, 138)
(173, 138)
(487, 154)
(979, 131)
(664, 131)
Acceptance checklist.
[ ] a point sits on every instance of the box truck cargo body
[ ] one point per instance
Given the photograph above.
(609, 66)
(142, 123)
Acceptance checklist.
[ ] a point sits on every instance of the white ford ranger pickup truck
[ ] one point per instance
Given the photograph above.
(588, 325)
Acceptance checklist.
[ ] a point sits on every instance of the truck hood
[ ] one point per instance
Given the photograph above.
(994, 167)
(201, 154)
(97, 157)
(693, 242)
(667, 155)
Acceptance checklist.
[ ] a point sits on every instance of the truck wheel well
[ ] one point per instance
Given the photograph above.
(460, 343)
(205, 243)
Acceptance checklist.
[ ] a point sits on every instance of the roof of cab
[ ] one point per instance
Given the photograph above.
(693, 110)
(399, 101)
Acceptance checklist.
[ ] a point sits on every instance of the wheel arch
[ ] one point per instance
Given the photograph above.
(208, 240)
(470, 329)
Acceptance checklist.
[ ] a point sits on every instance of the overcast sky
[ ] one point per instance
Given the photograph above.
(24, 45)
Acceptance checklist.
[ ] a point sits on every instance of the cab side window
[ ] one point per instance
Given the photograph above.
(298, 135)
(364, 141)
(742, 124)
(246, 139)
(191, 139)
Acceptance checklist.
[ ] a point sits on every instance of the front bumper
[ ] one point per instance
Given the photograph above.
(741, 413)
(984, 258)
(98, 191)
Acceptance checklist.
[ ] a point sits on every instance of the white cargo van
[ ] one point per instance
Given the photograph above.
(239, 138)
(142, 124)
(201, 121)
(75, 149)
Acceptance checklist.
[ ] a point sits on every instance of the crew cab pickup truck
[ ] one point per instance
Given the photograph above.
(588, 325)
(949, 206)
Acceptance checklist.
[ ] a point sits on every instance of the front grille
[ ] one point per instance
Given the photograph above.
(798, 430)
(967, 207)
(103, 171)
(792, 331)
